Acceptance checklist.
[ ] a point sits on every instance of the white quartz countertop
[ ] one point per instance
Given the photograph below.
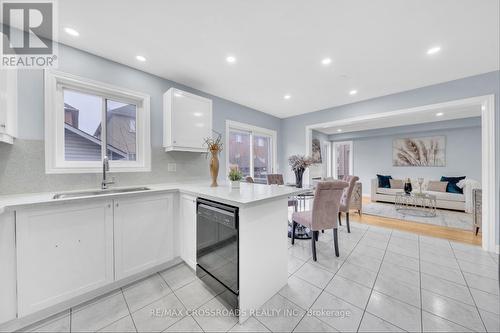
(246, 195)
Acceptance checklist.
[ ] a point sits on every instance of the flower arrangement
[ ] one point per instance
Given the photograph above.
(300, 162)
(235, 175)
(214, 145)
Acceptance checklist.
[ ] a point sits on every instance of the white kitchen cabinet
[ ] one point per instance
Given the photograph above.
(8, 301)
(187, 121)
(63, 251)
(8, 105)
(188, 229)
(143, 229)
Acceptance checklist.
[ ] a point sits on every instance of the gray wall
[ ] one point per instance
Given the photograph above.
(293, 128)
(22, 166)
(373, 151)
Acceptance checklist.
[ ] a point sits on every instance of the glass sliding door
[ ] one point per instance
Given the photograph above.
(251, 149)
(239, 148)
(343, 159)
(262, 157)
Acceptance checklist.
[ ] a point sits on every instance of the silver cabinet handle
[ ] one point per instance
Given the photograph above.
(109, 205)
(117, 204)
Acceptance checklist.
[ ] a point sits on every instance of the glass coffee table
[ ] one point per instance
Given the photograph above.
(416, 204)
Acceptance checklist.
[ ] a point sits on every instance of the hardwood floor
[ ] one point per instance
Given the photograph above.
(459, 235)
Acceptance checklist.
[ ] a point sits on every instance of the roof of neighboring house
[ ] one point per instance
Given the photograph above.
(123, 111)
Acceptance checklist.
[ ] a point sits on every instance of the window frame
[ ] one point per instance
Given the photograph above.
(234, 125)
(55, 163)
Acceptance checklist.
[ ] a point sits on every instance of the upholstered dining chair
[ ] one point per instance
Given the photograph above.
(249, 179)
(324, 212)
(346, 199)
(275, 179)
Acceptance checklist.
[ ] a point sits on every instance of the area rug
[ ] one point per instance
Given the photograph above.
(444, 218)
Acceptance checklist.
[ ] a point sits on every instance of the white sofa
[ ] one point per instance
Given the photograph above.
(445, 200)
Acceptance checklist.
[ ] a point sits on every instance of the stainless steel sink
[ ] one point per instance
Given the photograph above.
(66, 195)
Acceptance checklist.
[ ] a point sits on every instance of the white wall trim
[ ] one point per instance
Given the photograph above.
(488, 140)
(54, 134)
(254, 129)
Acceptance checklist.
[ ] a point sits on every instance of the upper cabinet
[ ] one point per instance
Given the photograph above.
(187, 121)
(8, 105)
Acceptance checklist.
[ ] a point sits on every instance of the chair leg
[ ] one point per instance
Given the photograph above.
(347, 222)
(340, 218)
(477, 230)
(336, 242)
(294, 225)
(316, 235)
(322, 231)
(313, 245)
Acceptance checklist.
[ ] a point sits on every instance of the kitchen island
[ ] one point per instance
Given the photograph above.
(152, 229)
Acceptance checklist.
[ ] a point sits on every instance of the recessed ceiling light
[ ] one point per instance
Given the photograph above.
(200, 125)
(141, 58)
(434, 50)
(339, 130)
(71, 32)
(326, 61)
(353, 92)
(231, 59)
(439, 114)
(197, 114)
(287, 96)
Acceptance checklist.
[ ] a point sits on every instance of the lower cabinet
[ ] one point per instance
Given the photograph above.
(63, 251)
(143, 228)
(187, 226)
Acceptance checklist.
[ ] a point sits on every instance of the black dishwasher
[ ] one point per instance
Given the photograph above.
(217, 242)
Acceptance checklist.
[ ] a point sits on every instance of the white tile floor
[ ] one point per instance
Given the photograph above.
(384, 280)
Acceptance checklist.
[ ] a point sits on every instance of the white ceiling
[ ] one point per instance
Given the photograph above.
(426, 116)
(377, 47)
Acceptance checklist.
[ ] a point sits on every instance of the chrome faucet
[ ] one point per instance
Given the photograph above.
(105, 168)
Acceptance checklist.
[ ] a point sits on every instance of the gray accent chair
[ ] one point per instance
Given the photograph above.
(324, 212)
(346, 199)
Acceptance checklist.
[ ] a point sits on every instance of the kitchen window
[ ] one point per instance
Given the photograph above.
(87, 120)
(252, 149)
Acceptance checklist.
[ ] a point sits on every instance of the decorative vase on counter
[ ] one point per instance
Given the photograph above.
(235, 183)
(298, 177)
(408, 188)
(214, 166)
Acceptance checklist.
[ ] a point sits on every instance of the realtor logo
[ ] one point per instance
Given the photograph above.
(28, 34)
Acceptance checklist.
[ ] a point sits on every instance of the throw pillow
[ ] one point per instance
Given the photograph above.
(452, 184)
(437, 186)
(383, 181)
(396, 183)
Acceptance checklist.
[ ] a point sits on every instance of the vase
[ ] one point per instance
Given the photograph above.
(214, 167)
(408, 188)
(235, 183)
(298, 177)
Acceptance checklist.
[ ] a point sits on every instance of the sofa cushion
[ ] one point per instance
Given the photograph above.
(383, 181)
(396, 183)
(437, 186)
(447, 196)
(452, 184)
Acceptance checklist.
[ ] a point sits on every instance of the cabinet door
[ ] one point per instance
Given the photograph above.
(143, 233)
(188, 229)
(191, 120)
(8, 102)
(62, 251)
